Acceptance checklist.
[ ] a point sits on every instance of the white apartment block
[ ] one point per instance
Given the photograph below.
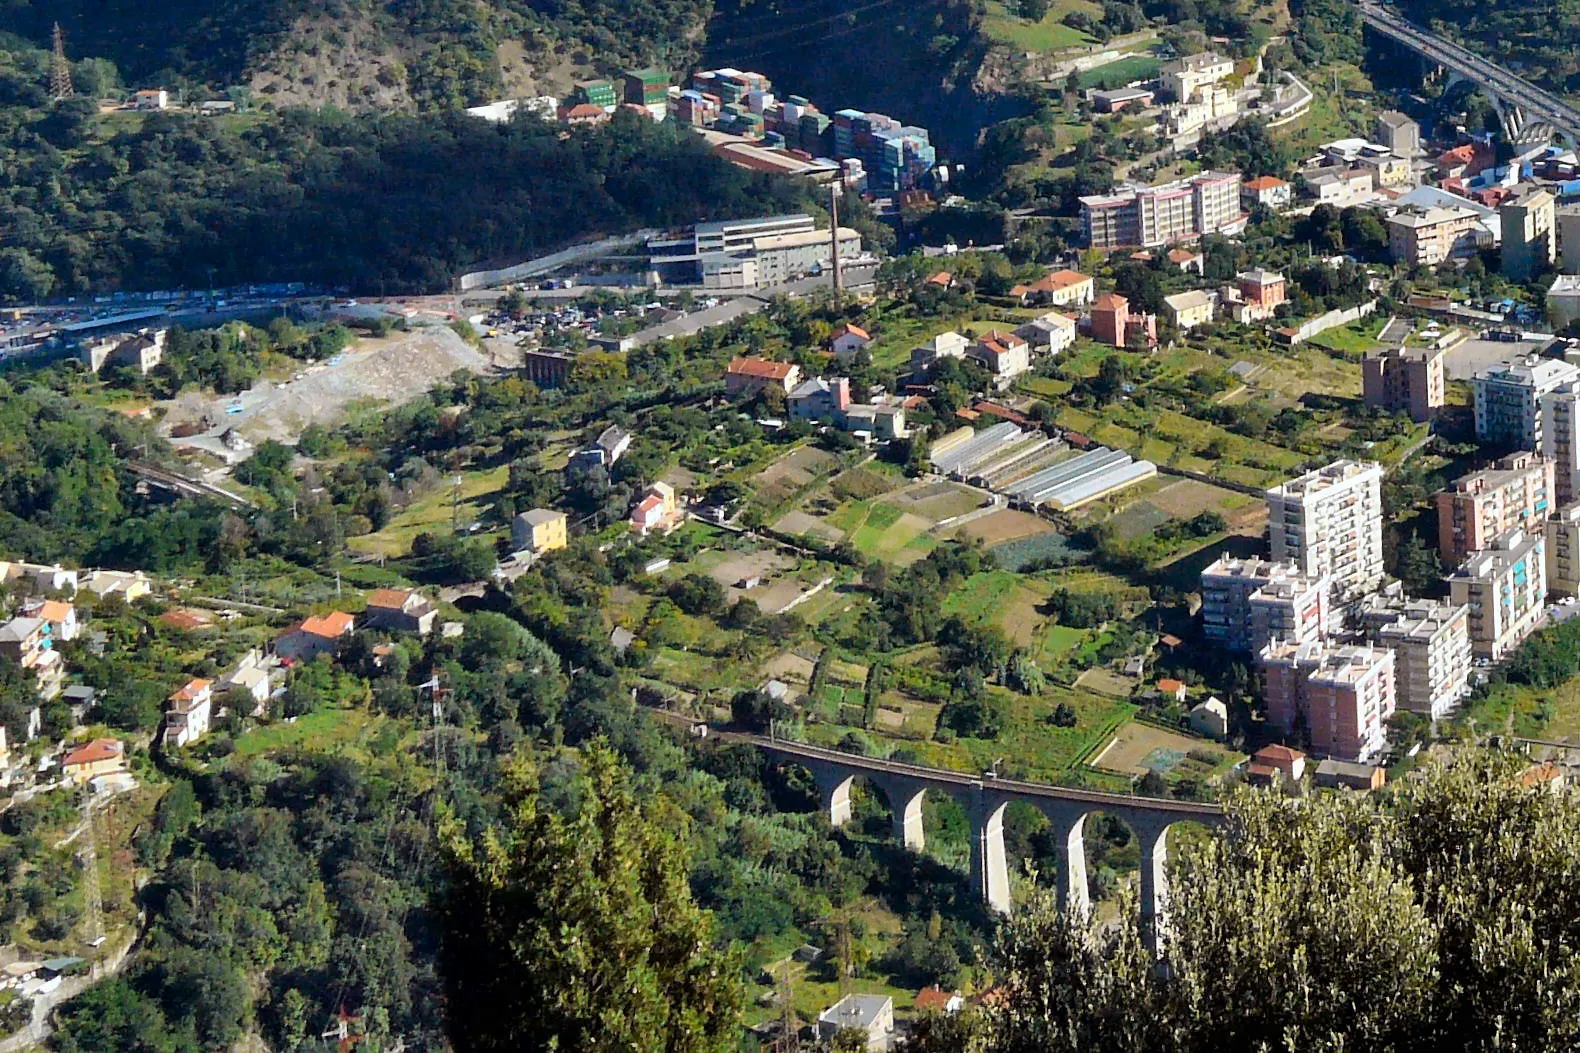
(1560, 429)
(1329, 524)
(1509, 399)
(1248, 602)
(1431, 647)
(1562, 535)
(1505, 588)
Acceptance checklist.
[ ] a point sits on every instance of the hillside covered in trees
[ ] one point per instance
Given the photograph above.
(1539, 39)
(377, 203)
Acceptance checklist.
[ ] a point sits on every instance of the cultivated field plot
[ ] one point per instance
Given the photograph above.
(881, 530)
(790, 473)
(939, 501)
(1006, 525)
(731, 568)
(1139, 748)
(862, 483)
(1105, 682)
(790, 667)
(799, 522)
(1007, 600)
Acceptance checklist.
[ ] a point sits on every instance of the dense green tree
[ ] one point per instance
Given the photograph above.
(577, 931)
(1274, 941)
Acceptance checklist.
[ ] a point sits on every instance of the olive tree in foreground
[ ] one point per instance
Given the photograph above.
(577, 931)
(1444, 914)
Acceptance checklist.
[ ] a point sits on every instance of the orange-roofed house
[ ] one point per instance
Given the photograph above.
(188, 713)
(748, 376)
(848, 339)
(1061, 288)
(941, 280)
(1170, 688)
(1005, 355)
(320, 634)
(658, 510)
(1288, 763)
(99, 757)
(1187, 261)
(937, 1000)
(1544, 776)
(583, 113)
(1110, 319)
(1267, 191)
(401, 611)
(186, 620)
(60, 614)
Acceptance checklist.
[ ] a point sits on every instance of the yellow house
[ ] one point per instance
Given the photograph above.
(99, 757)
(540, 530)
(1187, 310)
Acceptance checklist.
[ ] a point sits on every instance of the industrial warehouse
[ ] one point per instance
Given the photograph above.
(1034, 471)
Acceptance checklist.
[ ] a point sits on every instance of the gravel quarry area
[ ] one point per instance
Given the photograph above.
(390, 371)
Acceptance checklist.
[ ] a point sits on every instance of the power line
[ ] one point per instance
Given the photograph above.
(59, 68)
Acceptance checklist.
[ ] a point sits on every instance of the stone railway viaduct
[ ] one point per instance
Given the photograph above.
(984, 798)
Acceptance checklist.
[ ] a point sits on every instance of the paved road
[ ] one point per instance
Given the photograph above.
(1537, 103)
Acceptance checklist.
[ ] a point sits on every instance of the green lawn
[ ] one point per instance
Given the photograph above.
(1118, 74)
(434, 512)
(1048, 34)
(325, 730)
(1356, 338)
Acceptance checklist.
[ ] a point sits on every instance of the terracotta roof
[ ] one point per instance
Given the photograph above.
(1266, 182)
(331, 625)
(191, 689)
(967, 414)
(761, 368)
(648, 504)
(853, 330)
(95, 751)
(1064, 279)
(1170, 640)
(182, 619)
(392, 599)
(1537, 774)
(933, 998)
(54, 610)
(1276, 754)
(1110, 302)
(584, 109)
(1169, 685)
(941, 278)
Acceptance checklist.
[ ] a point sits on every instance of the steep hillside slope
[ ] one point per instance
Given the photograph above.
(368, 54)
(923, 61)
(1538, 38)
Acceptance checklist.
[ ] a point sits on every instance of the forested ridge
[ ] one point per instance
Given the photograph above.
(442, 52)
(1539, 39)
(378, 204)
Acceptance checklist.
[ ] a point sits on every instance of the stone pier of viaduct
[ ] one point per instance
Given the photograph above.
(984, 799)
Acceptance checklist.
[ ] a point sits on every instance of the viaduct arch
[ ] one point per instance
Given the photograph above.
(984, 799)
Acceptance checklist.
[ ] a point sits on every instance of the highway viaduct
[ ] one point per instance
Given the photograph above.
(1506, 88)
(984, 798)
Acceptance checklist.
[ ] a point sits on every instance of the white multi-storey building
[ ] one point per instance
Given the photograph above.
(1509, 409)
(1329, 524)
(1248, 602)
(1431, 647)
(1505, 587)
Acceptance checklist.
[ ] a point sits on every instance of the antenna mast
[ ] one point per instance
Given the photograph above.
(59, 69)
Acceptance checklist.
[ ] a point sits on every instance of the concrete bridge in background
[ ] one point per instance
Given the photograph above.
(1507, 89)
(984, 798)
